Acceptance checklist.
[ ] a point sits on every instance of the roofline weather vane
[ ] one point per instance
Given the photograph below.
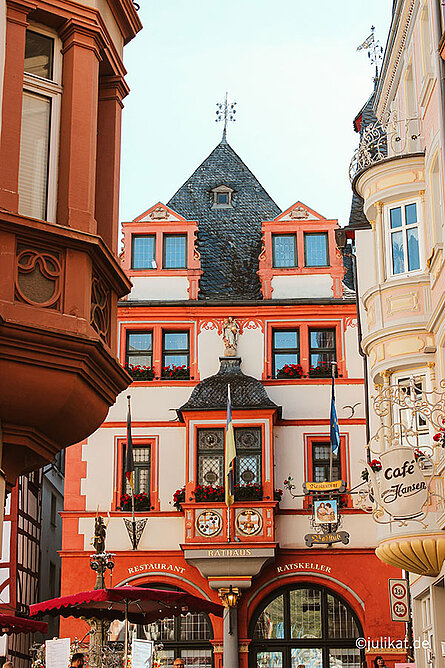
(375, 51)
(225, 112)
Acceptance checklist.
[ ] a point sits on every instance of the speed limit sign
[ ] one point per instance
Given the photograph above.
(398, 599)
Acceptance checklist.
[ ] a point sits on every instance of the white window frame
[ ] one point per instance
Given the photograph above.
(403, 228)
(422, 426)
(50, 89)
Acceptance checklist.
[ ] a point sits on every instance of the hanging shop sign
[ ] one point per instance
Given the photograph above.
(326, 538)
(400, 487)
(333, 486)
(398, 600)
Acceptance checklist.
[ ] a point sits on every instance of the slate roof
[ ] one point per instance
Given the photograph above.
(364, 117)
(211, 393)
(229, 239)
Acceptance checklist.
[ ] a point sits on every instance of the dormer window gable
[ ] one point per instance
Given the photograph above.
(221, 197)
(299, 255)
(162, 243)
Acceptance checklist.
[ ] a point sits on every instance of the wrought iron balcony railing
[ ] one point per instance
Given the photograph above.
(380, 140)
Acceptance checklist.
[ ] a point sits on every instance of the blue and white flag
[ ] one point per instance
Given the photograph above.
(335, 434)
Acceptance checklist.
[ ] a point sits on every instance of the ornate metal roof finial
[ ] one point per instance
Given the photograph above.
(375, 51)
(225, 111)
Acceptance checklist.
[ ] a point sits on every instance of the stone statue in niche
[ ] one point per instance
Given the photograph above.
(230, 333)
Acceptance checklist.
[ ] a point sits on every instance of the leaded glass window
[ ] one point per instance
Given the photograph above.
(316, 250)
(141, 474)
(248, 456)
(284, 250)
(321, 462)
(211, 457)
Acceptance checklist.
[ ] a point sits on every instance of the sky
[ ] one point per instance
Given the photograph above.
(293, 69)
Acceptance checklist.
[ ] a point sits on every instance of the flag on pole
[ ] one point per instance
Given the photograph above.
(367, 43)
(129, 461)
(335, 433)
(229, 455)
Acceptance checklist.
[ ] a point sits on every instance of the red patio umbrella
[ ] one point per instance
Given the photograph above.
(10, 624)
(139, 605)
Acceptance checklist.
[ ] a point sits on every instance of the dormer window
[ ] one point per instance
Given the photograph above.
(222, 197)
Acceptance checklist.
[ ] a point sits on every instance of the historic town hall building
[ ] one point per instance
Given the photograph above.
(221, 269)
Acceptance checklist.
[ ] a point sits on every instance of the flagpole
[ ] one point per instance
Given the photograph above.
(133, 520)
(331, 451)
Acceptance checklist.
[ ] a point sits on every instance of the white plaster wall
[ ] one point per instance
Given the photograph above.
(354, 361)
(159, 534)
(291, 530)
(98, 483)
(148, 404)
(314, 401)
(291, 287)
(210, 349)
(159, 287)
(250, 349)
(289, 444)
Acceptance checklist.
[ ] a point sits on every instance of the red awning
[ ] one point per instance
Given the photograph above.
(10, 624)
(144, 605)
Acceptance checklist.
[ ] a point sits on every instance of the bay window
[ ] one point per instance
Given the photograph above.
(40, 125)
(404, 239)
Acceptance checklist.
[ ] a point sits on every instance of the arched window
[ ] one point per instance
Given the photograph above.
(306, 626)
(187, 636)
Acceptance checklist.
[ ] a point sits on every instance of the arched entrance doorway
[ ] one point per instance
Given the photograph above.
(304, 625)
(186, 636)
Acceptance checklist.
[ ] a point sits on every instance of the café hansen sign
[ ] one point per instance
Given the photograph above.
(400, 487)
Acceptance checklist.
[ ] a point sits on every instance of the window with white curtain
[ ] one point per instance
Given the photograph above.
(40, 124)
(404, 249)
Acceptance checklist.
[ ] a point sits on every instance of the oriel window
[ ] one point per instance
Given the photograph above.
(211, 457)
(248, 456)
(404, 239)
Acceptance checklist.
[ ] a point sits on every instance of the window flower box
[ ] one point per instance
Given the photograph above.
(179, 498)
(277, 494)
(375, 465)
(204, 493)
(141, 501)
(248, 492)
(290, 371)
(173, 372)
(138, 372)
(323, 370)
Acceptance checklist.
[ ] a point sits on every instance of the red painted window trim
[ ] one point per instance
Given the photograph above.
(304, 328)
(309, 440)
(153, 443)
(157, 328)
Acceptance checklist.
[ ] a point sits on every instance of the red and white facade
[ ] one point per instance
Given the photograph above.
(285, 586)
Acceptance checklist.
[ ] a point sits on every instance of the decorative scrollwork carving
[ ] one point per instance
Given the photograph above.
(100, 307)
(429, 405)
(38, 277)
(385, 138)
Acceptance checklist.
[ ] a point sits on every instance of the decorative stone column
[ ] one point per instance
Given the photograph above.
(230, 597)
